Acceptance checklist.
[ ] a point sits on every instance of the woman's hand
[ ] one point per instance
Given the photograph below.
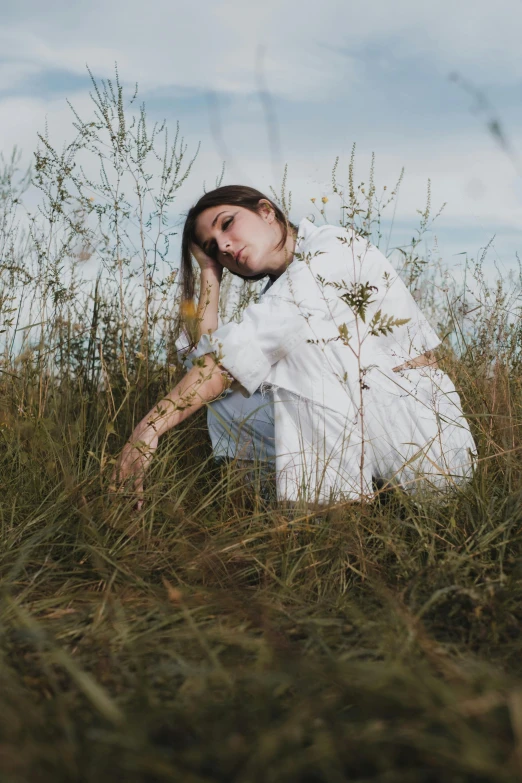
(205, 262)
(203, 383)
(129, 473)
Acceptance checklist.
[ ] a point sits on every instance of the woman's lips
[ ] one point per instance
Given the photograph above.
(238, 255)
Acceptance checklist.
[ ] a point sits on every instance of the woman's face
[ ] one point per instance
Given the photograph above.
(244, 242)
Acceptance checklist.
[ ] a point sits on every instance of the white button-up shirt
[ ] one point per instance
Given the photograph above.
(305, 335)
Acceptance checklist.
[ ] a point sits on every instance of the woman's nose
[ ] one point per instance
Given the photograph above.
(224, 245)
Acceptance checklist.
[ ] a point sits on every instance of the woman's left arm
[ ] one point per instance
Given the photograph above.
(203, 383)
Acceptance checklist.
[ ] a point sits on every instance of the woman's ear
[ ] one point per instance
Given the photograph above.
(266, 210)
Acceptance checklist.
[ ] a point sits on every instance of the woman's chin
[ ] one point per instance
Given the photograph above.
(257, 272)
(250, 270)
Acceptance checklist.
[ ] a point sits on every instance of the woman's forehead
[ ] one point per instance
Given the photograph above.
(208, 219)
(209, 214)
(205, 218)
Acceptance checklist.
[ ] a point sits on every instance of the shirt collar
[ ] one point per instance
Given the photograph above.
(305, 231)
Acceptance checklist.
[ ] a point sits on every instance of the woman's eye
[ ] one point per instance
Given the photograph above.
(227, 222)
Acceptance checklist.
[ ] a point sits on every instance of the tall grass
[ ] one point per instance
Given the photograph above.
(212, 637)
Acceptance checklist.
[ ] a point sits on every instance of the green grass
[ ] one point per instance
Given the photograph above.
(211, 637)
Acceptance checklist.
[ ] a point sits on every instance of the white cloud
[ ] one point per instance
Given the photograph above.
(14, 74)
(213, 45)
(24, 118)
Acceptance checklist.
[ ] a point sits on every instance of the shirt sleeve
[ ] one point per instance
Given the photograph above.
(268, 331)
(185, 349)
(344, 265)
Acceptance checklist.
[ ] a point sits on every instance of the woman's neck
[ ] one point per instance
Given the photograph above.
(287, 253)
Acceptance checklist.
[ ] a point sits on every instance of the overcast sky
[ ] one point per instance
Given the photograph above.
(373, 72)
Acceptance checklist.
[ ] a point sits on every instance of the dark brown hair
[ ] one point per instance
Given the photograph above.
(236, 195)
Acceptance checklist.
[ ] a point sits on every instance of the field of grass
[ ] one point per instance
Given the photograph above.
(212, 636)
(206, 638)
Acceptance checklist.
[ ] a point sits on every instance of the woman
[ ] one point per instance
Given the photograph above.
(336, 353)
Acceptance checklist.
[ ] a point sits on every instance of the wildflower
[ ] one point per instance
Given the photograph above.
(324, 199)
(188, 309)
(313, 200)
(139, 355)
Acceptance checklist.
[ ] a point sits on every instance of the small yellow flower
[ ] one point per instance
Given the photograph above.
(139, 355)
(188, 309)
(313, 200)
(325, 199)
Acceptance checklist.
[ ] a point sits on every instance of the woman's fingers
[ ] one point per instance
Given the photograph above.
(204, 260)
(129, 473)
(138, 491)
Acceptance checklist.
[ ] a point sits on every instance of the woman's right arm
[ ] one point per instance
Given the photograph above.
(207, 310)
(203, 383)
